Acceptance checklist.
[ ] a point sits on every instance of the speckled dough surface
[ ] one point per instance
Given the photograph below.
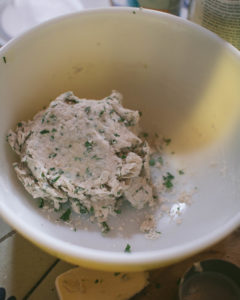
(85, 152)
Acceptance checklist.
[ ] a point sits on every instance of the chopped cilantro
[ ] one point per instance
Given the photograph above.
(52, 169)
(129, 123)
(54, 130)
(52, 155)
(152, 162)
(101, 131)
(87, 110)
(77, 158)
(88, 145)
(70, 146)
(116, 273)
(19, 124)
(167, 141)
(123, 156)
(101, 113)
(55, 179)
(127, 249)
(66, 215)
(44, 131)
(105, 227)
(116, 135)
(52, 116)
(78, 188)
(180, 172)
(167, 180)
(121, 119)
(145, 134)
(112, 142)
(140, 113)
(69, 100)
(96, 281)
(83, 210)
(96, 157)
(41, 203)
(4, 59)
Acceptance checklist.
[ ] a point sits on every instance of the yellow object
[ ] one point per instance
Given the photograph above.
(84, 284)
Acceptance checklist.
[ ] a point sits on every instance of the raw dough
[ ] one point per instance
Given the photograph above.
(86, 153)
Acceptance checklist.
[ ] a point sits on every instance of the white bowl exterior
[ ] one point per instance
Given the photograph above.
(185, 80)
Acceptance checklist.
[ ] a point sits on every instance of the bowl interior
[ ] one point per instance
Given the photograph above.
(183, 78)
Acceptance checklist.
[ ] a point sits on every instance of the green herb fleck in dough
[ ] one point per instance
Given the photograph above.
(96, 157)
(71, 101)
(167, 180)
(87, 110)
(44, 131)
(4, 59)
(89, 146)
(101, 113)
(55, 179)
(66, 215)
(112, 142)
(77, 158)
(152, 162)
(105, 227)
(41, 203)
(180, 172)
(52, 155)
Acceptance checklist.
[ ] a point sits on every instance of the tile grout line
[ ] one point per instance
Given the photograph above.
(29, 293)
(6, 236)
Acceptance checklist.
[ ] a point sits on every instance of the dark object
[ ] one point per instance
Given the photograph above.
(211, 279)
(3, 295)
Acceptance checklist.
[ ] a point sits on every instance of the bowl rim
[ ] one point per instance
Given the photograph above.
(140, 258)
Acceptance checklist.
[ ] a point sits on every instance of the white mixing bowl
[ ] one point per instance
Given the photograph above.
(184, 79)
